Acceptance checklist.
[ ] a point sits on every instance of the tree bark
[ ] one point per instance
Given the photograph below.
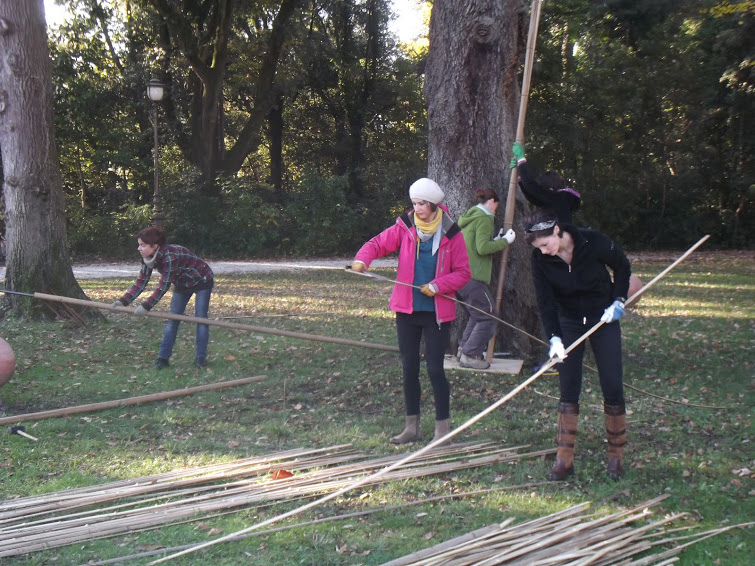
(37, 251)
(472, 92)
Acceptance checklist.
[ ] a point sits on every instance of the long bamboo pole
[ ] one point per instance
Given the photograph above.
(377, 277)
(535, 338)
(432, 445)
(55, 531)
(508, 219)
(208, 321)
(389, 508)
(91, 407)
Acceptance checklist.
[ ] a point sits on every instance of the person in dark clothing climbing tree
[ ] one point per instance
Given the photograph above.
(549, 190)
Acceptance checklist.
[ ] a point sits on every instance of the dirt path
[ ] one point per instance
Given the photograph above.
(129, 270)
(104, 270)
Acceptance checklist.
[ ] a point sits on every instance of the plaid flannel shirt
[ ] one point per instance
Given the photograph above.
(178, 266)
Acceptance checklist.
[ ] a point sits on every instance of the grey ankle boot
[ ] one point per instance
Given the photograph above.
(442, 428)
(411, 431)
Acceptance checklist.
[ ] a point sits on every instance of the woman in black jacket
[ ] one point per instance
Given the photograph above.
(574, 292)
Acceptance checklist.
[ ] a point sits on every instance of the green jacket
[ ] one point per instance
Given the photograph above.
(478, 227)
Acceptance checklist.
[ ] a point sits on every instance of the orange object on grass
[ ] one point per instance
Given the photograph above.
(281, 474)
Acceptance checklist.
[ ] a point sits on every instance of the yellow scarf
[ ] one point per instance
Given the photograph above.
(428, 228)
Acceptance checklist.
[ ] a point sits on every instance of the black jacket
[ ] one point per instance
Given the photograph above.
(564, 202)
(583, 288)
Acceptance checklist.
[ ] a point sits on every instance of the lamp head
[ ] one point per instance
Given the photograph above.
(155, 90)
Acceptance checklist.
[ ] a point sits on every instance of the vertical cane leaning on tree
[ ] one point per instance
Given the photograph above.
(478, 226)
(431, 255)
(189, 275)
(575, 292)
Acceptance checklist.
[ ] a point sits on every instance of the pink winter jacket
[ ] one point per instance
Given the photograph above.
(452, 271)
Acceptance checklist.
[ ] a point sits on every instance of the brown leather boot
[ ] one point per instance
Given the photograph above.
(616, 433)
(568, 415)
(411, 431)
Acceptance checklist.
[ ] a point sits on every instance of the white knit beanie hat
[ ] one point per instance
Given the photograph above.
(426, 189)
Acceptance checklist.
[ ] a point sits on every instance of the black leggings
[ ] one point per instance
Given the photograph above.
(410, 329)
(606, 346)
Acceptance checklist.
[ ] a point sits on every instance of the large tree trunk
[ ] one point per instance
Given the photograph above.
(37, 252)
(472, 93)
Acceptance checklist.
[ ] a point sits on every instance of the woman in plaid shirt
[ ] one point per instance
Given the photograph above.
(189, 274)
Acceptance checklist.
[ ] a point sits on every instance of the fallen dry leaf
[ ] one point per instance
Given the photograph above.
(281, 474)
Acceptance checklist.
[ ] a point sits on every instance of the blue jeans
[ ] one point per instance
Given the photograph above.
(178, 306)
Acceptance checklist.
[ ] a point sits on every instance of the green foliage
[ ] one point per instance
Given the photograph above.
(105, 235)
(688, 341)
(634, 105)
(237, 222)
(645, 107)
(321, 221)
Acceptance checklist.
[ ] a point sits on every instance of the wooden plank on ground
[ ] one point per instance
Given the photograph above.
(497, 365)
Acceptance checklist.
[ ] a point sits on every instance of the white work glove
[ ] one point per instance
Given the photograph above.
(509, 236)
(140, 311)
(614, 312)
(557, 349)
(117, 303)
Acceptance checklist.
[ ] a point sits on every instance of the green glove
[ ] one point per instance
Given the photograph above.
(513, 163)
(518, 151)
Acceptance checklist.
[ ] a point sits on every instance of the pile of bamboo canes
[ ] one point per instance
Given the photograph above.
(72, 516)
(566, 538)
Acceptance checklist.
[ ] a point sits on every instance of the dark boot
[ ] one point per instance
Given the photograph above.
(616, 433)
(568, 415)
(411, 431)
(161, 363)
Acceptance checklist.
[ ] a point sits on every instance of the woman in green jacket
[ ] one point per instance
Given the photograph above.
(478, 226)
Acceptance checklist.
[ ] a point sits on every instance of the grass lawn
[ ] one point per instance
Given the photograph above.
(688, 368)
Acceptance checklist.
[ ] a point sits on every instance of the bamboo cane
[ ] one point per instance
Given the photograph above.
(147, 554)
(207, 321)
(57, 532)
(536, 543)
(454, 299)
(432, 445)
(66, 411)
(508, 219)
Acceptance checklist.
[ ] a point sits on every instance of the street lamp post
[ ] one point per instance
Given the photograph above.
(155, 92)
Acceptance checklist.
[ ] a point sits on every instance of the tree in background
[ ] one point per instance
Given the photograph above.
(643, 105)
(472, 90)
(324, 97)
(633, 102)
(37, 257)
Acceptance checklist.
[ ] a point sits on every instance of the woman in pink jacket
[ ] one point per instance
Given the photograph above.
(432, 257)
